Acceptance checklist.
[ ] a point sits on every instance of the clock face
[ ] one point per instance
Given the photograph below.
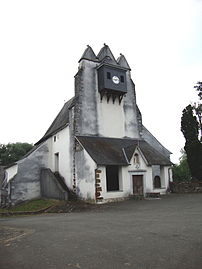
(115, 79)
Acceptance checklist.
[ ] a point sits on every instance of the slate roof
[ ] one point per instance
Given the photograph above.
(115, 151)
(105, 56)
(89, 54)
(105, 53)
(60, 121)
(123, 62)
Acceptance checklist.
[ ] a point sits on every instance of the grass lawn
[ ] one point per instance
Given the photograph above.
(33, 205)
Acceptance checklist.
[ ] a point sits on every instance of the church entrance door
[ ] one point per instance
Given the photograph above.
(138, 185)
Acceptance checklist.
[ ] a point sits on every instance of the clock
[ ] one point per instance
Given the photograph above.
(115, 79)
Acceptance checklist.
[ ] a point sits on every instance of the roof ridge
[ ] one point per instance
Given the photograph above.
(60, 121)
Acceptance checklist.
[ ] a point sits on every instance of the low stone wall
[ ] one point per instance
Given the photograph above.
(186, 187)
(51, 186)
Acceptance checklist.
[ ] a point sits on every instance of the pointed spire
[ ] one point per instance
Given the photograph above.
(88, 54)
(123, 62)
(106, 55)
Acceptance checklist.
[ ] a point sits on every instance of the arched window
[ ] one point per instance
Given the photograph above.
(136, 159)
(157, 182)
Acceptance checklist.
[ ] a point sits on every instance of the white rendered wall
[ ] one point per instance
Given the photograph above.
(59, 144)
(85, 175)
(111, 118)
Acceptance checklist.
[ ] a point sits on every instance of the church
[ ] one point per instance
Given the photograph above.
(97, 146)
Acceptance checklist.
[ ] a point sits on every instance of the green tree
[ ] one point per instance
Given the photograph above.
(191, 129)
(198, 108)
(181, 171)
(198, 87)
(12, 152)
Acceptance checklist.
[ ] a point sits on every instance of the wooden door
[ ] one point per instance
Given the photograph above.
(138, 185)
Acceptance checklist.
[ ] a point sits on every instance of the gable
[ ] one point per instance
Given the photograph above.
(141, 157)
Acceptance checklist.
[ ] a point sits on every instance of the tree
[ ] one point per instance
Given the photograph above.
(191, 128)
(12, 152)
(198, 87)
(197, 109)
(181, 171)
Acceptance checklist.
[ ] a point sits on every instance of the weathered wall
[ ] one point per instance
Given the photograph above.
(26, 183)
(86, 91)
(50, 187)
(85, 175)
(96, 117)
(130, 110)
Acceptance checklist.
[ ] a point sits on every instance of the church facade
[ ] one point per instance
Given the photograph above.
(97, 144)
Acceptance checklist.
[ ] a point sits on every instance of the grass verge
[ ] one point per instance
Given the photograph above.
(30, 206)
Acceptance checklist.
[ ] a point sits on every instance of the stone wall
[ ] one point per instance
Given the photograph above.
(186, 187)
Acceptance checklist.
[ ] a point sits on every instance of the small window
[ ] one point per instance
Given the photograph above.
(56, 162)
(157, 182)
(54, 138)
(122, 79)
(108, 75)
(136, 159)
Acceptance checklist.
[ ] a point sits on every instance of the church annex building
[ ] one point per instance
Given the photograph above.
(97, 146)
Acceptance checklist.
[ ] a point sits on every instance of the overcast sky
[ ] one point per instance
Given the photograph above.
(42, 41)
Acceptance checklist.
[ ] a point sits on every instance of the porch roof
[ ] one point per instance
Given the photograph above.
(117, 151)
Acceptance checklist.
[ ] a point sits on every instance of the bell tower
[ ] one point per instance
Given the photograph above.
(106, 101)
